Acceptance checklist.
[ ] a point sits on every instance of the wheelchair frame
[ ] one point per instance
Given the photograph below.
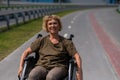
(30, 61)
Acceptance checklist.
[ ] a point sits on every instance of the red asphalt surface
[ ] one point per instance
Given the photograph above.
(112, 51)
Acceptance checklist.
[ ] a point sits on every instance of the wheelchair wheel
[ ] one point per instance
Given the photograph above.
(72, 70)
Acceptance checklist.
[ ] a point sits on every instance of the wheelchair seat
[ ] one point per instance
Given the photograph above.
(31, 60)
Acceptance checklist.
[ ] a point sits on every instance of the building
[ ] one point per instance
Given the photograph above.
(48, 1)
(70, 1)
(113, 1)
(95, 1)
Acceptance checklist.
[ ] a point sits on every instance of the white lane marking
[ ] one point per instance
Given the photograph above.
(69, 27)
(75, 17)
(65, 35)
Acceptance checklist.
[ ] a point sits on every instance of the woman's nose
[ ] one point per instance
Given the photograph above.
(53, 24)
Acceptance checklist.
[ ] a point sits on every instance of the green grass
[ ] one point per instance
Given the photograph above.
(118, 11)
(17, 35)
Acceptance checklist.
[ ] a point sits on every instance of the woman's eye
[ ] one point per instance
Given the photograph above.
(49, 23)
(52, 23)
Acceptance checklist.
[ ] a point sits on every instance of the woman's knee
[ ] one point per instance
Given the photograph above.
(32, 77)
(51, 77)
(37, 73)
(56, 73)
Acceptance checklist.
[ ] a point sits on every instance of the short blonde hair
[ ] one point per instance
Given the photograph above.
(48, 18)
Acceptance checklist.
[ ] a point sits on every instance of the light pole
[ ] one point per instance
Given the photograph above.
(8, 3)
(59, 1)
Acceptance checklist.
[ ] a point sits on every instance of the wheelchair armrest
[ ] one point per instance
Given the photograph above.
(29, 58)
(72, 68)
(73, 63)
(72, 60)
(28, 65)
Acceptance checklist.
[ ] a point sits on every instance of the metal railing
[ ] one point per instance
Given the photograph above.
(22, 14)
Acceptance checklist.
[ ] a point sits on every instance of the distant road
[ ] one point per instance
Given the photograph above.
(72, 1)
(97, 61)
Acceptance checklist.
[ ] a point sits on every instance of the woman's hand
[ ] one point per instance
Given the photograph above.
(79, 66)
(20, 71)
(79, 75)
(24, 55)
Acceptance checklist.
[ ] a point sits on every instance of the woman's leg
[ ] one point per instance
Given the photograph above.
(57, 73)
(38, 73)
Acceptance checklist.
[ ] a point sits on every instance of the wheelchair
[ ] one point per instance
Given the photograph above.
(31, 60)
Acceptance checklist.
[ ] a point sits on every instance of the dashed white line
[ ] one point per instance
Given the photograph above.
(72, 21)
(69, 27)
(65, 35)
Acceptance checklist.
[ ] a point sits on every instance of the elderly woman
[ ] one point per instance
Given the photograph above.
(54, 51)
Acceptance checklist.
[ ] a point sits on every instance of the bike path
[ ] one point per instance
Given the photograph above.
(96, 63)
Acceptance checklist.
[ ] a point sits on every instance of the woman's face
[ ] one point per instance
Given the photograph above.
(53, 26)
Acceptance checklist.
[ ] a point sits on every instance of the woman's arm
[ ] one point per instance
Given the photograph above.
(79, 66)
(24, 55)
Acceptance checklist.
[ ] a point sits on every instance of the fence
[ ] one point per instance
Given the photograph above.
(17, 15)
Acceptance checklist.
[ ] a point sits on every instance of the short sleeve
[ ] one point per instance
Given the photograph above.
(70, 47)
(35, 45)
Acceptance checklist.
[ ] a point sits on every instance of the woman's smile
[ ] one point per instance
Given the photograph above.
(53, 26)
